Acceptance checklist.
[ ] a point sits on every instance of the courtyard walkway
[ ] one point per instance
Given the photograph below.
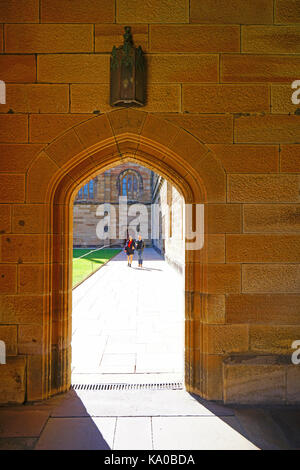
(128, 323)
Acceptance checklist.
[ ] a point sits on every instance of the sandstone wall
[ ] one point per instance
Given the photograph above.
(223, 71)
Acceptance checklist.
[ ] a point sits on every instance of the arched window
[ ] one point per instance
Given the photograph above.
(87, 191)
(130, 184)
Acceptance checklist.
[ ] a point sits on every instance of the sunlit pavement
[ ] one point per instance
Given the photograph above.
(129, 321)
(128, 328)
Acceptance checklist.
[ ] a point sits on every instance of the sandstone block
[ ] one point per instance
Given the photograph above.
(259, 68)
(262, 248)
(263, 188)
(38, 178)
(268, 129)
(22, 248)
(5, 218)
(18, 68)
(45, 38)
(287, 11)
(271, 278)
(271, 39)
(89, 11)
(17, 157)
(19, 11)
(13, 128)
(238, 12)
(8, 334)
(194, 38)
(278, 218)
(63, 149)
(274, 308)
(182, 68)
(224, 339)
(253, 381)
(30, 339)
(70, 68)
(13, 380)
(273, 339)
(8, 276)
(14, 185)
(225, 98)
(208, 128)
(281, 102)
(293, 384)
(290, 158)
(31, 279)
(109, 35)
(46, 127)
(36, 99)
(223, 218)
(247, 158)
(18, 309)
(154, 11)
(223, 278)
(29, 218)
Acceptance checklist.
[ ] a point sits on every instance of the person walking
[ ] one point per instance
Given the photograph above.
(129, 249)
(140, 245)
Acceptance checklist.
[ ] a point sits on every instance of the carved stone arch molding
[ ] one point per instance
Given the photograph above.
(53, 181)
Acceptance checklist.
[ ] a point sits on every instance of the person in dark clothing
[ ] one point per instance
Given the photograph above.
(140, 245)
(129, 250)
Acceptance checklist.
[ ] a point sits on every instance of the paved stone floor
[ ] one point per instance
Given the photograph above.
(119, 336)
(129, 321)
(158, 420)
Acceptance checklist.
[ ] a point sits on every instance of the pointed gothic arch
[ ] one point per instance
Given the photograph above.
(53, 180)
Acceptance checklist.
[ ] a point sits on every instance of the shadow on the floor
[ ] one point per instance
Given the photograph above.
(65, 423)
(70, 427)
(269, 427)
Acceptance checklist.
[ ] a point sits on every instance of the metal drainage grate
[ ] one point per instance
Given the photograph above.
(162, 386)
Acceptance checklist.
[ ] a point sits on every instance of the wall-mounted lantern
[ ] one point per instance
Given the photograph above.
(127, 74)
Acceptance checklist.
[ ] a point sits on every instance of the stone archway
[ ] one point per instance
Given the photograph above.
(53, 178)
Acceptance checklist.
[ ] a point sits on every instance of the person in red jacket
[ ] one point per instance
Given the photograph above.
(129, 250)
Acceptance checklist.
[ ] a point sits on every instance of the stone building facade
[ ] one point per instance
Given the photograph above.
(168, 220)
(131, 181)
(219, 123)
(154, 209)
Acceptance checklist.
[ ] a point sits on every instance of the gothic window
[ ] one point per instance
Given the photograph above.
(130, 184)
(87, 191)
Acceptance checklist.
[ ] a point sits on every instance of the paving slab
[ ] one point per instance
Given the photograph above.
(131, 403)
(127, 312)
(289, 422)
(133, 434)
(17, 443)
(262, 429)
(22, 422)
(77, 434)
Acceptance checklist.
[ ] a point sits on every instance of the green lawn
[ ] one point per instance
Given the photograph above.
(83, 267)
